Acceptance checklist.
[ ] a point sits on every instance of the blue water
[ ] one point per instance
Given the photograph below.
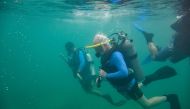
(33, 34)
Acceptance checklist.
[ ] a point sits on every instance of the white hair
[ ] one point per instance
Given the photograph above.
(99, 38)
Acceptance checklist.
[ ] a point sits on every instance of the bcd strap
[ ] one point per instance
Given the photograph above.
(132, 57)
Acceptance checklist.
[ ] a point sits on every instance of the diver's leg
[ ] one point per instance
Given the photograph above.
(136, 94)
(147, 36)
(152, 49)
(178, 56)
(172, 99)
(166, 52)
(149, 39)
(148, 103)
(151, 45)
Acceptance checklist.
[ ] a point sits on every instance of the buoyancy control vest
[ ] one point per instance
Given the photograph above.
(126, 47)
(120, 82)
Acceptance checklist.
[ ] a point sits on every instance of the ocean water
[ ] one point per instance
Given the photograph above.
(33, 34)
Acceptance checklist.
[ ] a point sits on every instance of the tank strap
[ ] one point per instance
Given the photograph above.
(132, 57)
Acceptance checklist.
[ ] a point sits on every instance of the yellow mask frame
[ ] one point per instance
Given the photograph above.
(98, 44)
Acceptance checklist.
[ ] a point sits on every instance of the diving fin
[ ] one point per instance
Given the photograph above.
(161, 73)
(147, 36)
(174, 101)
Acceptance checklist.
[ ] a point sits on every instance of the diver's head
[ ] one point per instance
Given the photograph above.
(70, 47)
(102, 42)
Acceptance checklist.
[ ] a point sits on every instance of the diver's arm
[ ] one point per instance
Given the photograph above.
(118, 61)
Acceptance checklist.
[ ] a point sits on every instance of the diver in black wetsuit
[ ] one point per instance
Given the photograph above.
(115, 69)
(179, 46)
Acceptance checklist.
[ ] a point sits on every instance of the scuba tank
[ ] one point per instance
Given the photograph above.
(90, 61)
(126, 47)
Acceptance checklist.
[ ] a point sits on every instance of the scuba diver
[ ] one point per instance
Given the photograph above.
(81, 64)
(121, 42)
(115, 68)
(179, 46)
